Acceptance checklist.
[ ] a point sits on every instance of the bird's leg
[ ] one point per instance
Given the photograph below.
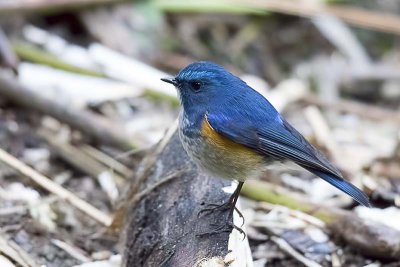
(231, 205)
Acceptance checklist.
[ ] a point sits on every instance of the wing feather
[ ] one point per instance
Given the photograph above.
(276, 138)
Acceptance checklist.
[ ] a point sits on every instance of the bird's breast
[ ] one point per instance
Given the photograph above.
(217, 154)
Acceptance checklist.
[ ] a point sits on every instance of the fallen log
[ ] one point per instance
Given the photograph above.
(88, 123)
(162, 223)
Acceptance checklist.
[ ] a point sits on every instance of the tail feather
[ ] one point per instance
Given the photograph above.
(344, 186)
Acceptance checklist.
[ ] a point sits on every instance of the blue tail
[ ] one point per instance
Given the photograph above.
(344, 186)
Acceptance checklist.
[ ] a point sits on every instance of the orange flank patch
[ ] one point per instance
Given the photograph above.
(225, 145)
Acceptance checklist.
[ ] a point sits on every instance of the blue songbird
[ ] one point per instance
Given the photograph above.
(233, 132)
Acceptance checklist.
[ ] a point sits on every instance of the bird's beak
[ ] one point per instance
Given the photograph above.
(170, 80)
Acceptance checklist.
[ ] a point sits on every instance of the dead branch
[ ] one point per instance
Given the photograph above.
(55, 188)
(325, 138)
(288, 249)
(71, 250)
(107, 160)
(163, 222)
(16, 253)
(94, 126)
(76, 157)
(370, 238)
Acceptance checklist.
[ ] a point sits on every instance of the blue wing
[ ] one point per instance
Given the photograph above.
(259, 126)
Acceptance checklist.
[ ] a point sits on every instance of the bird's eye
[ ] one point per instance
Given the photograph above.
(196, 85)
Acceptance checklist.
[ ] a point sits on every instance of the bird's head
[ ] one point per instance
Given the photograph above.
(202, 84)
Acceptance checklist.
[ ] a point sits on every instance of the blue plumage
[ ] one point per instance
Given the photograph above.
(343, 185)
(240, 114)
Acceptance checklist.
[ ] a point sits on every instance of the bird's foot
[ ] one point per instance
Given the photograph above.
(225, 228)
(212, 207)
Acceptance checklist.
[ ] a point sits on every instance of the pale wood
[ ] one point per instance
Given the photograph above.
(56, 189)
(13, 251)
(94, 126)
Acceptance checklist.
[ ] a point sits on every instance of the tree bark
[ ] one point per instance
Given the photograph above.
(163, 223)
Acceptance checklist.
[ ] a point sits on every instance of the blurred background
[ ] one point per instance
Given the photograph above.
(81, 101)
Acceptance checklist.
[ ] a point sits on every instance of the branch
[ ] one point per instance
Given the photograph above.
(370, 238)
(55, 188)
(90, 124)
(13, 251)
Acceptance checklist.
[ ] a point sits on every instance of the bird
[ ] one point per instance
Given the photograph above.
(231, 131)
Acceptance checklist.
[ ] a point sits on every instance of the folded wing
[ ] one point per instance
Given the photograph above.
(278, 139)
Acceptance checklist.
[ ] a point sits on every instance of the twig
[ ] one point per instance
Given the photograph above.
(16, 253)
(4, 262)
(56, 189)
(76, 157)
(110, 162)
(94, 126)
(71, 250)
(321, 130)
(370, 238)
(287, 248)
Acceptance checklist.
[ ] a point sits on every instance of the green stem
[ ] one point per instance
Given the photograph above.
(31, 53)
